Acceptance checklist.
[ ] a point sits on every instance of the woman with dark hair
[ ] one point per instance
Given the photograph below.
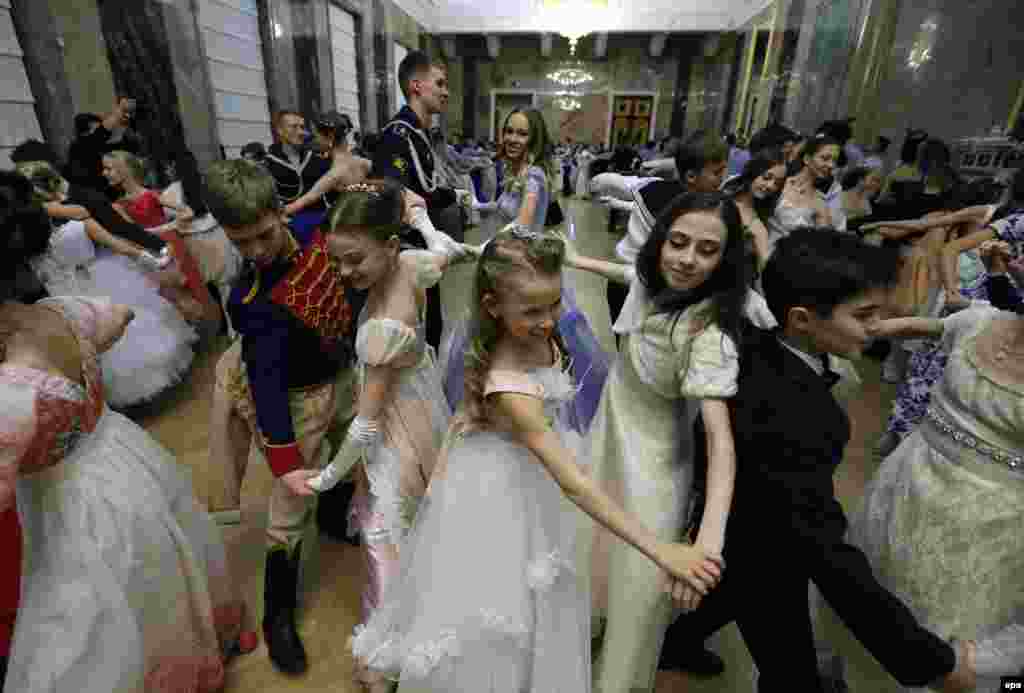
(331, 137)
(125, 582)
(907, 169)
(801, 203)
(860, 188)
(528, 174)
(756, 193)
(680, 327)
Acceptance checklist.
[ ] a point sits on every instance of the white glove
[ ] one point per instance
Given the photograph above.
(484, 206)
(362, 434)
(616, 203)
(154, 263)
(437, 242)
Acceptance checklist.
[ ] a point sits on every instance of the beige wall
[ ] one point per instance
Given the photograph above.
(628, 68)
(85, 55)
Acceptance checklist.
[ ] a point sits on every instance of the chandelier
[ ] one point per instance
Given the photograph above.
(568, 101)
(570, 77)
(574, 19)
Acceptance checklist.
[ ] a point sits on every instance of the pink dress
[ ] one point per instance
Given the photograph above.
(124, 579)
(396, 471)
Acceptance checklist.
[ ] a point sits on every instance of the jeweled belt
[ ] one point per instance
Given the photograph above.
(1011, 461)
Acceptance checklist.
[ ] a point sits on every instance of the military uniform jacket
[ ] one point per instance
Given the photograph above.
(291, 181)
(295, 324)
(404, 153)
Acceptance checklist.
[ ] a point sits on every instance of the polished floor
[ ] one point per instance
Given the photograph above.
(334, 576)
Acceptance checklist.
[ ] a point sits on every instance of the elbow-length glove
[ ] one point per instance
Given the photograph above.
(362, 434)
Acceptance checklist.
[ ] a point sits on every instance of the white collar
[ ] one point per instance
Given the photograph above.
(815, 362)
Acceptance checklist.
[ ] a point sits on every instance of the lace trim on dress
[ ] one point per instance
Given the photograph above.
(52, 384)
(396, 659)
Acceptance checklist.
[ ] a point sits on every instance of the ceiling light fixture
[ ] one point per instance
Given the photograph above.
(570, 77)
(574, 19)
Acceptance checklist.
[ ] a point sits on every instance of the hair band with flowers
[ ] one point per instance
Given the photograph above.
(523, 232)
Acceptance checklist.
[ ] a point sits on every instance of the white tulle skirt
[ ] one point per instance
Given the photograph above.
(156, 350)
(488, 598)
(125, 583)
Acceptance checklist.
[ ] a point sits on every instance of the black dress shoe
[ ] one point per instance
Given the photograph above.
(698, 661)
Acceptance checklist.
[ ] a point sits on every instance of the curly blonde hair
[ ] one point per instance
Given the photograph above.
(514, 250)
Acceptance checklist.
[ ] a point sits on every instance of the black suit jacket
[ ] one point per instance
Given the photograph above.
(790, 435)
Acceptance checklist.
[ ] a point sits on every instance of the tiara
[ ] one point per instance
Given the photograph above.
(364, 188)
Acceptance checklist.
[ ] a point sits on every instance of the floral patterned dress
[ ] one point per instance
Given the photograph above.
(125, 584)
(928, 358)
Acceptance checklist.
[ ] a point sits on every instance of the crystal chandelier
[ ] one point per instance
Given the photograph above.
(570, 77)
(574, 19)
(568, 101)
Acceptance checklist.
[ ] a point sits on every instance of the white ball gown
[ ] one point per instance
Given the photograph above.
(157, 348)
(125, 585)
(488, 598)
(942, 518)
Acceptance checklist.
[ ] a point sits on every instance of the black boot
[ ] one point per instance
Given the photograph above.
(280, 587)
(3, 672)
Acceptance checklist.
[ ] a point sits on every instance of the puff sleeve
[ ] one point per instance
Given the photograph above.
(712, 367)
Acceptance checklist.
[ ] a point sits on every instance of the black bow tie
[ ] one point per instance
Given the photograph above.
(829, 375)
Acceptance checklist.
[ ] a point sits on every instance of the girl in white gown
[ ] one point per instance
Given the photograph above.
(125, 584)
(688, 294)
(488, 598)
(157, 348)
(402, 416)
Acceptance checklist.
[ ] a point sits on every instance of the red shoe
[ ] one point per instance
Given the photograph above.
(246, 642)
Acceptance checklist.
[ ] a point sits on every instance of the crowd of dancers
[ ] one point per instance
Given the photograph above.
(535, 514)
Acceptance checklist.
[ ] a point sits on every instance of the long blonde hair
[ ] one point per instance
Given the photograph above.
(513, 250)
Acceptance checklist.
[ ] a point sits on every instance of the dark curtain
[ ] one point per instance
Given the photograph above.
(140, 61)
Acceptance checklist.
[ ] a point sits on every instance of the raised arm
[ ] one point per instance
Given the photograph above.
(951, 262)
(904, 227)
(415, 215)
(327, 182)
(907, 328)
(692, 564)
(612, 271)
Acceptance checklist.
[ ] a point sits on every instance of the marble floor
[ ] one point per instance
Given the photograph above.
(333, 579)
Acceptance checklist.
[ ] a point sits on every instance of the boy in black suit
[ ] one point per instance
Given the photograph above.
(786, 527)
